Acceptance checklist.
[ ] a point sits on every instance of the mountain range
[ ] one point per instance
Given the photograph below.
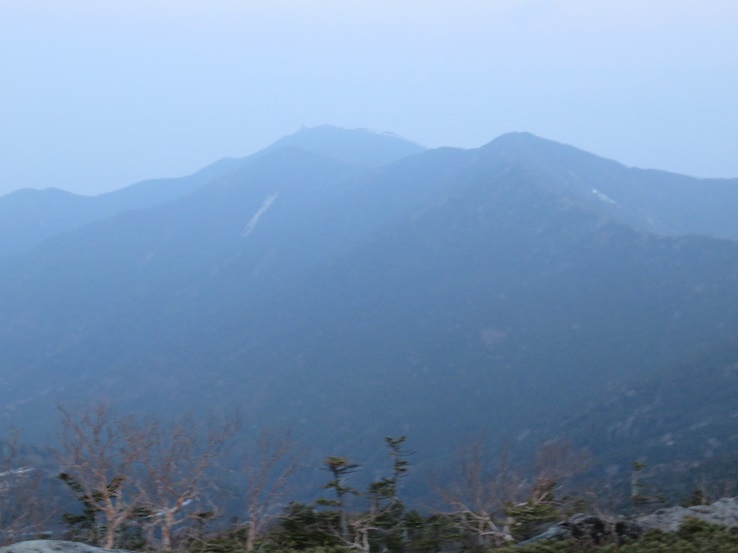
(29, 216)
(351, 285)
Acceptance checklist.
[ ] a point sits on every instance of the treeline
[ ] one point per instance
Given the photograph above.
(140, 484)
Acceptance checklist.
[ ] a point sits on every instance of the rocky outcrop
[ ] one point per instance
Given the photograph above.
(723, 512)
(55, 546)
(594, 529)
(590, 528)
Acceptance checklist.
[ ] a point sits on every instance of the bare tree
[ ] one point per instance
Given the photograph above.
(489, 497)
(359, 530)
(546, 499)
(99, 456)
(479, 494)
(177, 470)
(267, 469)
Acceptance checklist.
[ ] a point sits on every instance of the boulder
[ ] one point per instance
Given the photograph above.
(55, 546)
(723, 512)
(590, 528)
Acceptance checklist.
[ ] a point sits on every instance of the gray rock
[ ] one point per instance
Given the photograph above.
(597, 530)
(589, 528)
(55, 546)
(723, 512)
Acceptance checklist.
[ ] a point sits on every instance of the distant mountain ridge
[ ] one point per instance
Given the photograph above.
(29, 216)
(446, 290)
(651, 200)
(655, 201)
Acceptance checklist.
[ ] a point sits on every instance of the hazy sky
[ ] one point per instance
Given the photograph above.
(97, 94)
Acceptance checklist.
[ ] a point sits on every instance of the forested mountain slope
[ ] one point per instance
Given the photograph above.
(434, 295)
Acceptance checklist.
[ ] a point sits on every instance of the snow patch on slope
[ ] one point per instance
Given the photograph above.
(261, 211)
(603, 197)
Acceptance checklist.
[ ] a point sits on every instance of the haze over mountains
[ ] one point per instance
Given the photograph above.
(354, 285)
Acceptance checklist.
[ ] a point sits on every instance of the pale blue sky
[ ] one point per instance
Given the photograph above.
(97, 94)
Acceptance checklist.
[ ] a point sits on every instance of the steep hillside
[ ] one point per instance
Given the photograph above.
(681, 421)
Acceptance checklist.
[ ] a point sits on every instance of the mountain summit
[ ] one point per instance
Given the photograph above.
(654, 201)
(360, 146)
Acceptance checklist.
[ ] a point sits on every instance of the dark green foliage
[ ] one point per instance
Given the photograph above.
(339, 467)
(394, 529)
(233, 541)
(301, 527)
(131, 535)
(531, 518)
(382, 526)
(390, 521)
(431, 534)
(84, 526)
